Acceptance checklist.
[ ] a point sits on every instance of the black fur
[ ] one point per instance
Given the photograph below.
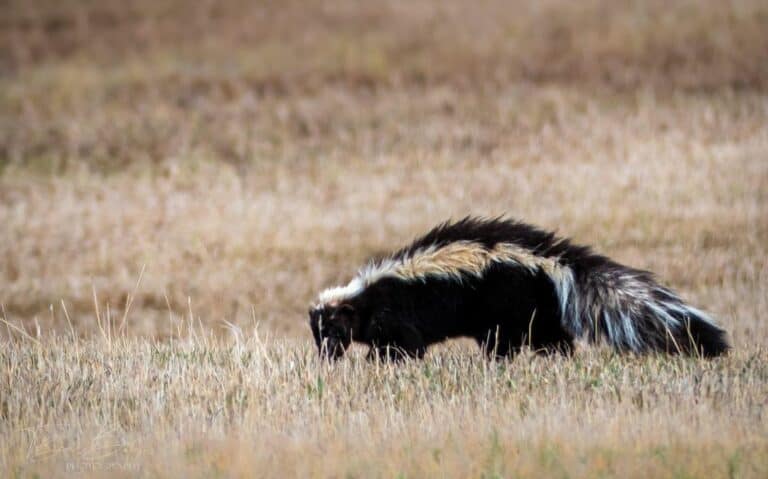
(509, 306)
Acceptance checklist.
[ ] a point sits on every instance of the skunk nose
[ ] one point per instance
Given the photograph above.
(332, 349)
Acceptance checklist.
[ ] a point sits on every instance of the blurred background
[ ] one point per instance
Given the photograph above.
(224, 161)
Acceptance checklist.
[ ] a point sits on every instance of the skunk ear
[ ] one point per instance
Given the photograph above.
(346, 308)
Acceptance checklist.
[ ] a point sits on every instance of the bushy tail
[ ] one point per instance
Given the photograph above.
(708, 339)
(630, 311)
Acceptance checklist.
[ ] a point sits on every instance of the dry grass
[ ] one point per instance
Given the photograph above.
(675, 183)
(222, 163)
(265, 407)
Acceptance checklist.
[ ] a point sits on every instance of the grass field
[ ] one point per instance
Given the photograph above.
(178, 181)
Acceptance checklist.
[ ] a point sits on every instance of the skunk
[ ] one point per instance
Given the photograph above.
(508, 285)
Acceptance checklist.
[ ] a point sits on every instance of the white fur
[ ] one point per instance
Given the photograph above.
(454, 261)
(335, 295)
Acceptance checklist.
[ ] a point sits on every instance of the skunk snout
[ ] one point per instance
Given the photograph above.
(332, 348)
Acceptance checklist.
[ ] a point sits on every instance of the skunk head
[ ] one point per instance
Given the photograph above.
(332, 327)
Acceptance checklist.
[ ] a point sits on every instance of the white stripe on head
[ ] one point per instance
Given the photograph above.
(334, 296)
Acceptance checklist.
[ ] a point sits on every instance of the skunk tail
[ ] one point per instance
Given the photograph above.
(630, 311)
